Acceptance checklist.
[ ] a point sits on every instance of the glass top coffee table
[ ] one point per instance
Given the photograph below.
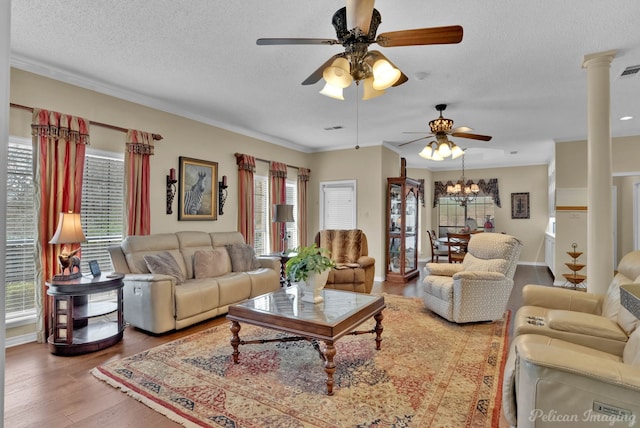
(339, 314)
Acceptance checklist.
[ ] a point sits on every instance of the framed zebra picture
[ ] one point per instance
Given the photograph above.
(197, 190)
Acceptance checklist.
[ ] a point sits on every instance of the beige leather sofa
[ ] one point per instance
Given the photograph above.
(355, 269)
(588, 319)
(162, 302)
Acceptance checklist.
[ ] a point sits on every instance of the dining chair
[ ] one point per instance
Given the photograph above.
(457, 243)
(436, 252)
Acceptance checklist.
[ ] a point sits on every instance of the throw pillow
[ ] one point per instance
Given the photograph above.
(243, 257)
(164, 264)
(210, 263)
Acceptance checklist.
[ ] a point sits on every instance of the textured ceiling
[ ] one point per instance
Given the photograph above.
(516, 75)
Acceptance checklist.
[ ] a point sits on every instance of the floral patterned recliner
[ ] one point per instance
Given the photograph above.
(477, 289)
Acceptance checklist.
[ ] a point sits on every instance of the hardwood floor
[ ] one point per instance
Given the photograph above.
(44, 390)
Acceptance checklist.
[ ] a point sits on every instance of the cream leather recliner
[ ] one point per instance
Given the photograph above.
(588, 319)
(554, 383)
(477, 289)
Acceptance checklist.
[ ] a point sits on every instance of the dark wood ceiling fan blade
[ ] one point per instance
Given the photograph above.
(317, 75)
(421, 36)
(413, 141)
(295, 41)
(402, 79)
(471, 136)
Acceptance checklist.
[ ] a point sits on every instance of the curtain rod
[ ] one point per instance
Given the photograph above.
(156, 137)
(268, 161)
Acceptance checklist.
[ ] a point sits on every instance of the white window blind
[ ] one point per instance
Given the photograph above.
(20, 234)
(292, 228)
(261, 214)
(102, 208)
(338, 205)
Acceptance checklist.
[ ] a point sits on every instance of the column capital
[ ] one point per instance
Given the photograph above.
(599, 57)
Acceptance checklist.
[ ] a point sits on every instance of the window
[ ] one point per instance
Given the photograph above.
(261, 214)
(102, 221)
(453, 217)
(102, 208)
(21, 232)
(292, 228)
(338, 205)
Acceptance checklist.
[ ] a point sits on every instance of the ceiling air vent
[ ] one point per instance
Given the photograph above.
(630, 71)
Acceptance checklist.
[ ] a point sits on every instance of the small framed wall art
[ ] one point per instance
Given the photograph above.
(197, 190)
(520, 205)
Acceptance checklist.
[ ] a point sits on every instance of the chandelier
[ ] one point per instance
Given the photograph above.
(357, 64)
(463, 191)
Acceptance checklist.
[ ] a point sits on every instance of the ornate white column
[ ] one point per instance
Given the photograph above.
(600, 264)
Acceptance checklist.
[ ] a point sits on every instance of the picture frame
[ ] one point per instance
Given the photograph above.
(94, 267)
(520, 205)
(198, 189)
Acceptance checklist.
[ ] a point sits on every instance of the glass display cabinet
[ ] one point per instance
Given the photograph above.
(402, 229)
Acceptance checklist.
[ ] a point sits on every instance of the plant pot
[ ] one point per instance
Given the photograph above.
(311, 288)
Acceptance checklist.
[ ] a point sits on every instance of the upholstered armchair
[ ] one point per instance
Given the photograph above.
(354, 269)
(477, 289)
(588, 319)
(551, 382)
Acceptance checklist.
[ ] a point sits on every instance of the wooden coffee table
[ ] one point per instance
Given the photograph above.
(339, 314)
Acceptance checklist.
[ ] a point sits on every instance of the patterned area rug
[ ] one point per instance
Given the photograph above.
(429, 372)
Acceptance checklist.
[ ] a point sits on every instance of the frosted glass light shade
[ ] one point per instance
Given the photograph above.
(338, 73)
(332, 91)
(456, 151)
(444, 149)
(384, 75)
(427, 152)
(369, 91)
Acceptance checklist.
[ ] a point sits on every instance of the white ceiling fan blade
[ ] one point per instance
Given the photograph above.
(359, 13)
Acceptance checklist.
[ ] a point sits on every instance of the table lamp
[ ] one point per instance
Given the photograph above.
(283, 214)
(69, 231)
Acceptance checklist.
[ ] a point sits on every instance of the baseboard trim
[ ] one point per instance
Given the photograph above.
(20, 340)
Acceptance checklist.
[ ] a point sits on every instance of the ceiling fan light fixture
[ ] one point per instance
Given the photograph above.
(441, 124)
(332, 92)
(369, 91)
(456, 151)
(384, 74)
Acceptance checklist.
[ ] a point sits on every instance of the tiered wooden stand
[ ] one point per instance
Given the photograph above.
(574, 279)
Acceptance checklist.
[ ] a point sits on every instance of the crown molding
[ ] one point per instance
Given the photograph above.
(66, 76)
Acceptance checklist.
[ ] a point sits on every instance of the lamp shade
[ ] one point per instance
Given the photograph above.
(338, 73)
(332, 91)
(384, 75)
(282, 213)
(69, 229)
(456, 151)
(369, 91)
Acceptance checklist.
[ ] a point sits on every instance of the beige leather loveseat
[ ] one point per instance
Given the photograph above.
(197, 276)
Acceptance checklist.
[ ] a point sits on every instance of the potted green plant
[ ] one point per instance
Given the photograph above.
(309, 270)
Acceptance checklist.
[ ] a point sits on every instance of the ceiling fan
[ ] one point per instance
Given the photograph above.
(356, 26)
(441, 127)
